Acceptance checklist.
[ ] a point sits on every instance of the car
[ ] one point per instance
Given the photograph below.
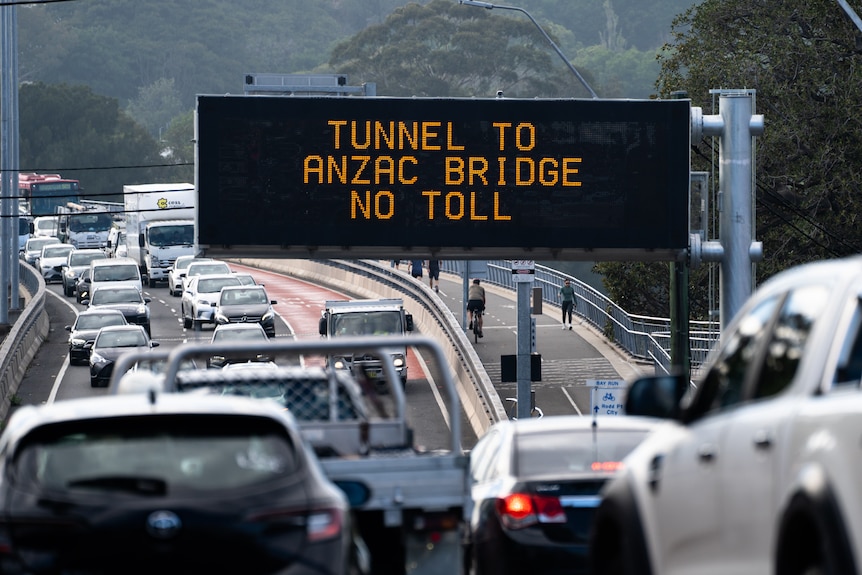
(535, 485)
(111, 342)
(199, 298)
(239, 332)
(78, 261)
(51, 260)
(205, 267)
(168, 483)
(45, 226)
(758, 470)
(33, 248)
(83, 331)
(115, 272)
(127, 299)
(178, 272)
(246, 279)
(82, 286)
(246, 304)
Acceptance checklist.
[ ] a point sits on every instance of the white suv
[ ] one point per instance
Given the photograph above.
(760, 473)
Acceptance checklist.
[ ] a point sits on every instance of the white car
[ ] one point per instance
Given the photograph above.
(201, 296)
(760, 473)
(33, 248)
(51, 261)
(178, 271)
(205, 267)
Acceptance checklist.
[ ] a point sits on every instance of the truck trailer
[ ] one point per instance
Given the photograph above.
(160, 226)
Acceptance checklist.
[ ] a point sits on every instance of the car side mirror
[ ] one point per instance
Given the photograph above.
(147, 300)
(68, 328)
(656, 396)
(408, 322)
(154, 344)
(272, 302)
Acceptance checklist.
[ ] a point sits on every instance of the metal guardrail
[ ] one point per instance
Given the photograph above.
(644, 338)
(24, 338)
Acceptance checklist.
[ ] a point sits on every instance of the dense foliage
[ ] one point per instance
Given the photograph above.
(804, 59)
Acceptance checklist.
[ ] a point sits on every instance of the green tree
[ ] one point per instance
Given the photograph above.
(179, 148)
(156, 105)
(444, 49)
(72, 131)
(803, 58)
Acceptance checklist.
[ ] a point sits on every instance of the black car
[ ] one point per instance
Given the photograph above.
(110, 343)
(127, 299)
(246, 304)
(84, 330)
(535, 486)
(82, 286)
(166, 483)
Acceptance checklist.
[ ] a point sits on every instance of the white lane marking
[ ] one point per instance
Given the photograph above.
(444, 409)
(572, 401)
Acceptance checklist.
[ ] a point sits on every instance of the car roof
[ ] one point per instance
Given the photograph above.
(245, 287)
(28, 417)
(100, 311)
(126, 327)
(114, 261)
(59, 245)
(575, 423)
(238, 326)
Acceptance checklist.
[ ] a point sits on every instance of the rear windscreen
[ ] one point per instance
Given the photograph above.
(156, 454)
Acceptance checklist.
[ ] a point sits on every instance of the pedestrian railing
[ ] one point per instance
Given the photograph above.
(644, 338)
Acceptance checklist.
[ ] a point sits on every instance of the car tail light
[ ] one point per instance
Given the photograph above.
(606, 466)
(319, 524)
(521, 510)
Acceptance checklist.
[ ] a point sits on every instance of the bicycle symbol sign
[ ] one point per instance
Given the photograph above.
(606, 396)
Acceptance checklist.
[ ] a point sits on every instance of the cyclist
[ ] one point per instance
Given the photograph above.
(476, 305)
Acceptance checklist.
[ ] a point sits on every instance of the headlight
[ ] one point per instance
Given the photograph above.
(95, 358)
(71, 274)
(221, 318)
(142, 309)
(398, 361)
(339, 363)
(78, 342)
(268, 316)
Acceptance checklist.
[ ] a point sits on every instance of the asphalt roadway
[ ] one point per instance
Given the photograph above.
(569, 358)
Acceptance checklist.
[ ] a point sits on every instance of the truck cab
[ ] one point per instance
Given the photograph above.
(371, 317)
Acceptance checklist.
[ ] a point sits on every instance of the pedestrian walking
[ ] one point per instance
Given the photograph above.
(434, 274)
(416, 268)
(567, 295)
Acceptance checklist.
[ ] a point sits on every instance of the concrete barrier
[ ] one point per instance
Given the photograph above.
(24, 338)
(371, 279)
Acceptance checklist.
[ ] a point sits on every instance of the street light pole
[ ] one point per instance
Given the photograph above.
(489, 6)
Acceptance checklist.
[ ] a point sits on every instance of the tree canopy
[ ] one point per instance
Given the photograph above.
(803, 59)
(71, 130)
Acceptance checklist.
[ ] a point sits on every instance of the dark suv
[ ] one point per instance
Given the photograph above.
(246, 304)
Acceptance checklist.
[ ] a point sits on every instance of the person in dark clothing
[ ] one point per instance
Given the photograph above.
(434, 274)
(416, 268)
(567, 296)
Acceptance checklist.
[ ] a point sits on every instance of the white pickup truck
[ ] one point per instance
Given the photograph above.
(758, 470)
(410, 505)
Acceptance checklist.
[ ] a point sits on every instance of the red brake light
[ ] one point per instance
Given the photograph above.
(320, 524)
(606, 466)
(520, 510)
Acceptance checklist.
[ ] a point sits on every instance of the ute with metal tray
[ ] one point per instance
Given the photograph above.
(410, 505)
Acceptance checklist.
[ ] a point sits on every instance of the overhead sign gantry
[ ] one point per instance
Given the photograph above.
(453, 178)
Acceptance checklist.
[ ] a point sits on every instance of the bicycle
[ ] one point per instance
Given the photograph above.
(512, 411)
(477, 329)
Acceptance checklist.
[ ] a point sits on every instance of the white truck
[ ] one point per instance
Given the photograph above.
(160, 226)
(357, 318)
(85, 226)
(410, 505)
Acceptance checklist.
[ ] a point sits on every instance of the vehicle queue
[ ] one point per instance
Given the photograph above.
(816, 523)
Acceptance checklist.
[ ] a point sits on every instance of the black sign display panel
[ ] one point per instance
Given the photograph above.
(459, 178)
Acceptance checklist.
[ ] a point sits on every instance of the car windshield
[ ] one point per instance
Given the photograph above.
(115, 273)
(83, 259)
(124, 338)
(214, 285)
(113, 295)
(555, 453)
(206, 269)
(239, 334)
(137, 455)
(243, 297)
(96, 321)
(367, 323)
(56, 252)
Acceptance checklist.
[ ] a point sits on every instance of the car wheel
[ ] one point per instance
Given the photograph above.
(151, 282)
(94, 382)
(187, 321)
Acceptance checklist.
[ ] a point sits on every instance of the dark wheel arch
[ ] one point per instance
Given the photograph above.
(617, 540)
(812, 532)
